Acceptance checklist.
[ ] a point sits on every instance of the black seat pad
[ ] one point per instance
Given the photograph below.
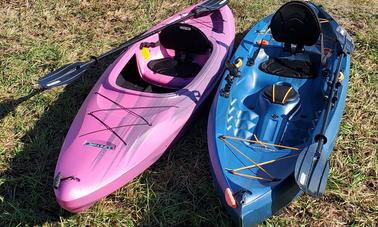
(174, 68)
(289, 68)
(295, 23)
(280, 91)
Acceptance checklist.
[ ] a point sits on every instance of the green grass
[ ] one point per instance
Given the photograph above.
(37, 36)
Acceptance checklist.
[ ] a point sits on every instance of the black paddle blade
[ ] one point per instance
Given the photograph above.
(344, 38)
(209, 6)
(317, 185)
(311, 173)
(64, 75)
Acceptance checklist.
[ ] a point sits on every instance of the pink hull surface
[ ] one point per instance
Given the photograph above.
(119, 132)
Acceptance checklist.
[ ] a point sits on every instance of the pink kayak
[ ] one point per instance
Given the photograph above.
(140, 105)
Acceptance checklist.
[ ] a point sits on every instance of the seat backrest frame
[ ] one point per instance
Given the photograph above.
(295, 24)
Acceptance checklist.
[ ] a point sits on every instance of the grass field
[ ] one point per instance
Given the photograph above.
(37, 36)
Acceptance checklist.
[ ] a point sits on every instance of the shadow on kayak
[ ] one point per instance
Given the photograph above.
(180, 181)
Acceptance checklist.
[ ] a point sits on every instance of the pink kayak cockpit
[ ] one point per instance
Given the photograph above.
(174, 57)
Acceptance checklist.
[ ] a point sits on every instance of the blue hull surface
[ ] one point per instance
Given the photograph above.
(255, 136)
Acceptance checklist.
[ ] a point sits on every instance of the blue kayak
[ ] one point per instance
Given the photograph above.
(275, 119)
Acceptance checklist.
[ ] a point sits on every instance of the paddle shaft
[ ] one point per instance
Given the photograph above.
(138, 38)
(311, 176)
(322, 138)
(331, 100)
(71, 72)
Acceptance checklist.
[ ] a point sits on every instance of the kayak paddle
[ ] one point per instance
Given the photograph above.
(70, 72)
(312, 166)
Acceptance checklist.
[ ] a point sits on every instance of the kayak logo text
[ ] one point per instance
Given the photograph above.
(101, 146)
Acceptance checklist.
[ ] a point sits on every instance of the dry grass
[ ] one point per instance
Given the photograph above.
(37, 36)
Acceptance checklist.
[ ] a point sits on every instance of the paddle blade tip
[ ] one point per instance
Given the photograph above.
(311, 176)
(64, 75)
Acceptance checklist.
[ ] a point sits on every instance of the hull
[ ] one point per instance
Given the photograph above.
(254, 144)
(120, 131)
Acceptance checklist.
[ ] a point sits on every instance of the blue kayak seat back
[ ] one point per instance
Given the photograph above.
(296, 23)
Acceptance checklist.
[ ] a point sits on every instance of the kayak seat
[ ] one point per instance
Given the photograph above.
(295, 24)
(187, 44)
(280, 94)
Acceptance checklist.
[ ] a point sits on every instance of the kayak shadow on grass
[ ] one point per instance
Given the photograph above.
(8, 106)
(180, 181)
(28, 197)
